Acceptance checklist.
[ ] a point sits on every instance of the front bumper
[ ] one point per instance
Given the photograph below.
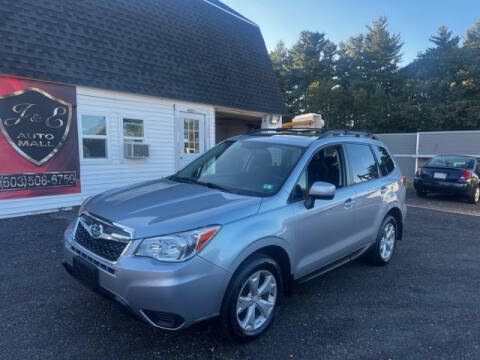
(445, 187)
(166, 295)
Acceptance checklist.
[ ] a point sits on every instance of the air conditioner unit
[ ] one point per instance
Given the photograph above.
(132, 150)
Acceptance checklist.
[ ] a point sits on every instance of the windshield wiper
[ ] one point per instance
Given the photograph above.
(183, 179)
(213, 186)
(196, 182)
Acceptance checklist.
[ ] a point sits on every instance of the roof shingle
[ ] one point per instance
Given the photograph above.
(178, 49)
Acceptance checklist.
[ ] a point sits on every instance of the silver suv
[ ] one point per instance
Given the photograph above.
(230, 233)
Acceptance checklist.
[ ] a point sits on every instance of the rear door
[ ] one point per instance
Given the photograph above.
(369, 191)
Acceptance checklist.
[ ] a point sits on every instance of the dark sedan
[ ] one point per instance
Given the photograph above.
(455, 175)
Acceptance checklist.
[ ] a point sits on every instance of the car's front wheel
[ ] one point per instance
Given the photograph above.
(381, 252)
(251, 300)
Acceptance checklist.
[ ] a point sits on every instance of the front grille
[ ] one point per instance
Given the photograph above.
(108, 249)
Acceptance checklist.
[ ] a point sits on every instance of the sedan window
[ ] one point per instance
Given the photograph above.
(457, 162)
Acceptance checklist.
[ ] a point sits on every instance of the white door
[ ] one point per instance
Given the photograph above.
(191, 140)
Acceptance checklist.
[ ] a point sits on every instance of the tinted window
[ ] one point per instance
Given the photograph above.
(363, 166)
(458, 162)
(384, 160)
(327, 166)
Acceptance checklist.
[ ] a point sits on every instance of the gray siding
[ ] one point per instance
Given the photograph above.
(407, 165)
(404, 146)
(400, 143)
(451, 143)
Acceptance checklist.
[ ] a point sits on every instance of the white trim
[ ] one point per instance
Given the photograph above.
(448, 131)
(180, 111)
(416, 151)
(229, 12)
(405, 155)
(433, 132)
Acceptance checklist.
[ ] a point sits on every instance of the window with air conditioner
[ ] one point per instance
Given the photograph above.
(133, 139)
(133, 131)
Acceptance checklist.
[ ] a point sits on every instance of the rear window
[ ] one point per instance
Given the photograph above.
(384, 160)
(363, 166)
(457, 162)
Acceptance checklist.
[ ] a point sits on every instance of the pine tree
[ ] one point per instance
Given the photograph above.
(472, 38)
(443, 39)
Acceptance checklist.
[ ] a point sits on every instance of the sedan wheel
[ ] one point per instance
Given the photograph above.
(476, 195)
(256, 300)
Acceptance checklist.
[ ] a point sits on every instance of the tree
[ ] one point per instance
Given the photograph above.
(472, 38)
(443, 39)
(359, 83)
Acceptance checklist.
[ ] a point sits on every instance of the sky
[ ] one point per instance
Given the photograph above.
(414, 20)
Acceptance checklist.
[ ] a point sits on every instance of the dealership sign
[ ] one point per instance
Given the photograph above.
(39, 148)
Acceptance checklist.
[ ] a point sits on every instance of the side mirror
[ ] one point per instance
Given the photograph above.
(319, 190)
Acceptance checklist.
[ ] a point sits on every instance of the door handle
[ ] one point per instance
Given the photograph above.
(348, 203)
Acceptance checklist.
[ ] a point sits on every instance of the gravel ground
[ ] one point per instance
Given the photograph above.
(424, 305)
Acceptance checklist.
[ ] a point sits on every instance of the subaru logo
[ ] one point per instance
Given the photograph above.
(96, 230)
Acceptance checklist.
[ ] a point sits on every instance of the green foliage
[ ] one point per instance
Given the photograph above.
(359, 83)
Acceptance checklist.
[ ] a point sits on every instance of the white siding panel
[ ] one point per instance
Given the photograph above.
(101, 175)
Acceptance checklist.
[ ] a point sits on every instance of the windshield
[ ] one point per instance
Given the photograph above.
(243, 167)
(458, 162)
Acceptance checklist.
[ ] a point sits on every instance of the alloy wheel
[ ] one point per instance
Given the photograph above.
(387, 242)
(477, 194)
(256, 300)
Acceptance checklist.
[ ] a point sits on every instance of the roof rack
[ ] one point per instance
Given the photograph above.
(320, 133)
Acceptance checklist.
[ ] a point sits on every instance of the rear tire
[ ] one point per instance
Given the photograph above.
(475, 197)
(252, 298)
(382, 251)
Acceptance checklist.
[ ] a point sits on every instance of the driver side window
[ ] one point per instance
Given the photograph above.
(326, 166)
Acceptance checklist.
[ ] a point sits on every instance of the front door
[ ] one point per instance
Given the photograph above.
(323, 233)
(191, 137)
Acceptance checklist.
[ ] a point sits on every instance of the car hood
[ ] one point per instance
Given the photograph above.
(164, 207)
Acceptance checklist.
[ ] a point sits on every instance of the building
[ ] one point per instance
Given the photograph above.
(99, 94)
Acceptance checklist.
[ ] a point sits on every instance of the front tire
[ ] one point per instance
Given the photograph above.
(382, 251)
(252, 298)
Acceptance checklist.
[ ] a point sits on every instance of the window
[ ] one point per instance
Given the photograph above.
(384, 160)
(94, 137)
(478, 167)
(133, 130)
(243, 167)
(327, 166)
(457, 162)
(191, 140)
(363, 166)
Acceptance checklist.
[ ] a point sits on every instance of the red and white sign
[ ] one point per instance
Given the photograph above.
(38, 139)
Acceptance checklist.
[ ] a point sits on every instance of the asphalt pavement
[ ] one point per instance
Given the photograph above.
(423, 305)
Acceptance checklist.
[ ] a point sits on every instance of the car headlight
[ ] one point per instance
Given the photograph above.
(177, 247)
